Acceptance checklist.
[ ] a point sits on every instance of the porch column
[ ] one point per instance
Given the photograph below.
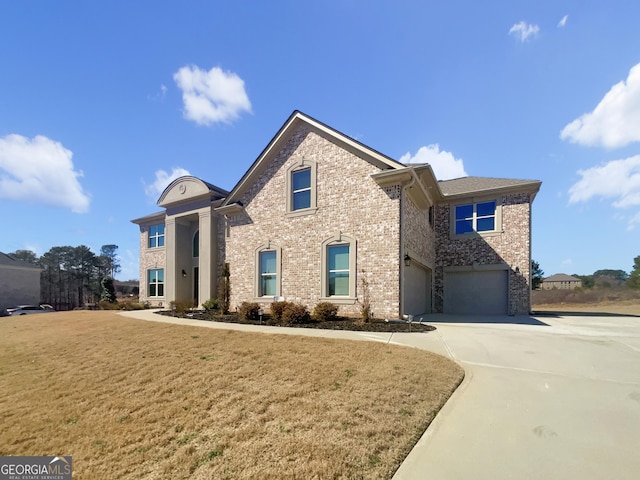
(206, 282)
(170, 266)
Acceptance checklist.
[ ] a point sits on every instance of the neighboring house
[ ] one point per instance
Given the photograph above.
(560, 281)
(319, 214)
(19, 282)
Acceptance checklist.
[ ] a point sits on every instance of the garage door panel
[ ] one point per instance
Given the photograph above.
(476, 292)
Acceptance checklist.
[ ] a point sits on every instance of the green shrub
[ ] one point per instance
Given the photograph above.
(211, 305)
(181, 306)
(325, 311)
(248, 311)
(295, 313)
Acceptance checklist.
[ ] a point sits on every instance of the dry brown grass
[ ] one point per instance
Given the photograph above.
(133, 399)
(625, 301)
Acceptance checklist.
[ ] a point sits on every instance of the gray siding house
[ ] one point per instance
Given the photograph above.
(19, 282)
(318, 214)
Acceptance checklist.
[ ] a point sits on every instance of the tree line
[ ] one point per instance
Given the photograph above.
(601, 278)
(74, 276)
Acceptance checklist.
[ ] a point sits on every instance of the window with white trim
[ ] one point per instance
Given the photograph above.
(476, 217)
(268, 271)
(301, 188)
(338, 274)
(155, 283)
(156, 236)
(338, 270)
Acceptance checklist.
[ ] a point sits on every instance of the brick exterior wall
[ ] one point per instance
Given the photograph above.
(511, 247)
(348, 201)
(150, 258)
(418, 236)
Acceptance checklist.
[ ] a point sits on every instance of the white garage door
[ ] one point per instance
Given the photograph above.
(477, 293)
(417, 290)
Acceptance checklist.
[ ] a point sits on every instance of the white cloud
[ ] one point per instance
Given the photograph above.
(566, 262)
(213, 96)
(524, 30)
(445, 166)
(563, 21)
(618, 180)
(40, 170)
(615, 120)
(162, 181)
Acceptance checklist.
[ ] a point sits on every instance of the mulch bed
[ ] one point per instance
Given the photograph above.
(342, 323)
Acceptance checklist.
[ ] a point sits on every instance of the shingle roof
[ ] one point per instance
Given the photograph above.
(561, 277)
(465, 185)
(9, 260)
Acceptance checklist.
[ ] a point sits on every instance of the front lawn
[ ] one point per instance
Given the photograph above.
(135, 399)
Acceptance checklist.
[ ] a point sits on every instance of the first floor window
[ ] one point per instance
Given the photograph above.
(156, 282)
(268, 273)
(475, 217)
(156, 236)
(338, 270)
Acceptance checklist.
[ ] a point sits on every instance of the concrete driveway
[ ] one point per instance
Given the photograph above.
(543, 398)
(548, 398)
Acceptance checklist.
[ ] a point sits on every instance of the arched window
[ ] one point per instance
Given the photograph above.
(196, 244)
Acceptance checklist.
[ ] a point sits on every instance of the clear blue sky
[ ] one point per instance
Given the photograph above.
(103, 103)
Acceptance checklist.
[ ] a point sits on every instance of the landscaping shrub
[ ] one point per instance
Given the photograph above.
(325, 312)
(212, 305)
(295, 313)
(248, 311)
(276, 310)
(132, 306)
(181, 306)
(106, 305)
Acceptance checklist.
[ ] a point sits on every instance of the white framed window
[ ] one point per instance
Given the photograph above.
(338, 274)
(156, 236)
(155, 282)
(268, 272)
(301, 188)
(478, 217)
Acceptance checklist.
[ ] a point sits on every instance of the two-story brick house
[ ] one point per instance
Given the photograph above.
(319, 214)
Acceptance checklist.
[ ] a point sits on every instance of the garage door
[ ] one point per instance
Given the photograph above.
(478, 292)
(417, 290)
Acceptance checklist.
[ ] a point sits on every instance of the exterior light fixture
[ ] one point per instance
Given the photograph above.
(407, 260)
(184, 274)
(517, 270)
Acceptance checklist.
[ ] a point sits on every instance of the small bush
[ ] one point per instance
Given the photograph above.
(211, 305)
(181, 306)
(276, 310)
(248, 311)
(106, 305)
(325, 312)
(295, 313)
(132, 306)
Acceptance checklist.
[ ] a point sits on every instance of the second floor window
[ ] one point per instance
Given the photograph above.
(475, 217)
(156, 236)
(301, 189)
